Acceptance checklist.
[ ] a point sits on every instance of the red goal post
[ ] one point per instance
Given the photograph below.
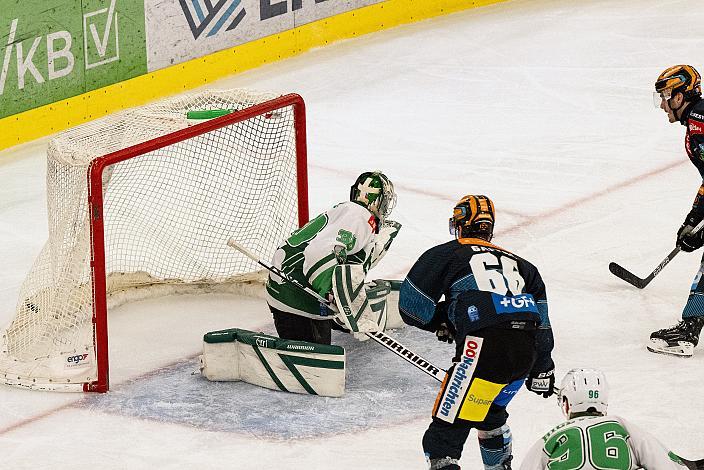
(152, 214)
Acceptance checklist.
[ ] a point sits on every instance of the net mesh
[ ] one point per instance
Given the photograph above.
(167, 217)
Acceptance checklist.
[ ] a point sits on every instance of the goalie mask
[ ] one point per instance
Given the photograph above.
(473, 217)
(583, 391)
(374, 191)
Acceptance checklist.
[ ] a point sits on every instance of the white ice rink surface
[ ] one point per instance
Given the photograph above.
(543, 105)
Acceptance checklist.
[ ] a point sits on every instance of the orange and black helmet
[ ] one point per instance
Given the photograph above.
(679, 79)
(473, 216)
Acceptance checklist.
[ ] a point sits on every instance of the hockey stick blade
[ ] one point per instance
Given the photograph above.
(622, 273)
(629, 277)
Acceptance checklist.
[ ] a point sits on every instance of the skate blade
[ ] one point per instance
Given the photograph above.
(682, 349)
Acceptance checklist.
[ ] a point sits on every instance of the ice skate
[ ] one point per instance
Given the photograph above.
(679, 340)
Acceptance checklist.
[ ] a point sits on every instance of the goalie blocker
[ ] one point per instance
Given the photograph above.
(271, 362)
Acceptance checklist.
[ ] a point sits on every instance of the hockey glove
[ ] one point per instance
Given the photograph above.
(687, 240)
(542, 383)
(382, 242)
(445, 333)
(444, 330)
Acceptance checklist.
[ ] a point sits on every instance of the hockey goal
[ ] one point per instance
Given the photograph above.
(142, 203)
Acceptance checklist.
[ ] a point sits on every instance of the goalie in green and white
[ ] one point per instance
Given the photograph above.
(331, 254)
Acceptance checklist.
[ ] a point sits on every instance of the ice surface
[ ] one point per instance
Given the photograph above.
(371, 398)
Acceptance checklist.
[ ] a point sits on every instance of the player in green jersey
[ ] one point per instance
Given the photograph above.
(591, 440)
(354, 232)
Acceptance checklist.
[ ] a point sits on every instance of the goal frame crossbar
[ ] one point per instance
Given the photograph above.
(96, 210)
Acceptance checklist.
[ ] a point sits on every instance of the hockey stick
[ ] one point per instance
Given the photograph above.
(634, 280)
(693, 464)
(380, 337)
(629, 277)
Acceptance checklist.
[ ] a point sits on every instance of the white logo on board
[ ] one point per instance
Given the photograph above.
(101, 36)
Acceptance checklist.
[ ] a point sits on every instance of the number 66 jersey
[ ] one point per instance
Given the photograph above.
(483, 285)
(599, 443)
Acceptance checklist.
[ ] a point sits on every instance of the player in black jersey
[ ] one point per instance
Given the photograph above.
(678, 93)
(496, 309)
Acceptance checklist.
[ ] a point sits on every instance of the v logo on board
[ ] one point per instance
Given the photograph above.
(204, 16)
(101, 36)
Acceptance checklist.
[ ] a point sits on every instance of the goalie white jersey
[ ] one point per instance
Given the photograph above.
(600, 442)
(347, 233)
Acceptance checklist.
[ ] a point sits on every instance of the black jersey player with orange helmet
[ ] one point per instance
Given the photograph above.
(495, 307)
(678, 93)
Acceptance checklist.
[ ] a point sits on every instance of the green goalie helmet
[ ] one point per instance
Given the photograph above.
(375, 191)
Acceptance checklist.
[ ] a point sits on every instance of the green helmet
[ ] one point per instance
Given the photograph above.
(374, 190)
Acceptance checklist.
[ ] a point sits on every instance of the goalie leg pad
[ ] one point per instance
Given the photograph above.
(393, 316)
(271, 362)
(355, 311)
(378, 292)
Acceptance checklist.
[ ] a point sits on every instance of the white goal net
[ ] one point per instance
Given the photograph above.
(144, 201)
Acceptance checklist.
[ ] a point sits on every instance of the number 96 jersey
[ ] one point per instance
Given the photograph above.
(599, 443)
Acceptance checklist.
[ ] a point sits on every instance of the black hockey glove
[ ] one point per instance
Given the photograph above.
(686, 240)
(445, 333)
(692, 242)
(542, 383)
(444, 330)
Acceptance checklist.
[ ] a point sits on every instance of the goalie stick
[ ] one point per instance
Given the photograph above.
(629, 277)
(380, 337)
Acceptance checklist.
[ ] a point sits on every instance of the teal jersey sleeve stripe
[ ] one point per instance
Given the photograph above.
(415, 303)
(543, 312)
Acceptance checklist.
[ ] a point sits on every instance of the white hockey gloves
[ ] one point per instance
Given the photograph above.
(382, 242)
